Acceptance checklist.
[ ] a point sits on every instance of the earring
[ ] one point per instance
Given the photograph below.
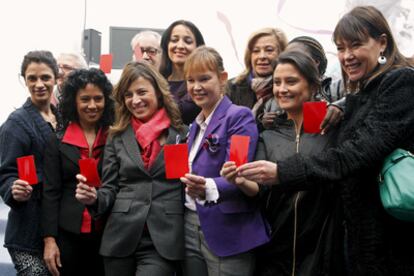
(382, 59)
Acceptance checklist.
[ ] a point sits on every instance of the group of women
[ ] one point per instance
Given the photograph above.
(303, 204)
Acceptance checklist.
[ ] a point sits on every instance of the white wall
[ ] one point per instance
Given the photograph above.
(57, 25)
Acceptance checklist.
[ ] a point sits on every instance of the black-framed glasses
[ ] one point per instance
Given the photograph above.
(151, 51)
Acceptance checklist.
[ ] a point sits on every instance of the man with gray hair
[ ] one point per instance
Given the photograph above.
(149, 47)
(67, 62)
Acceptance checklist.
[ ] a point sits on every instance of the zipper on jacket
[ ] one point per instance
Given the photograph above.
(295, 210)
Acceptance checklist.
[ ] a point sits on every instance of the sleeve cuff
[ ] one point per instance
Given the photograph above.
(212, 194)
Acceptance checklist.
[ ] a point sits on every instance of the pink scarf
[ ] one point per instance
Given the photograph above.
(147, 135)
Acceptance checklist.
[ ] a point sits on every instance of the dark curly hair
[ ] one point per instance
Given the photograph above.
(78, 80)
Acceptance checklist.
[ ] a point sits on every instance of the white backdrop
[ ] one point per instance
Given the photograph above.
(57, 25)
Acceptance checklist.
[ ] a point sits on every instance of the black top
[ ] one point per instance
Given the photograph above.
(25, 132)
(378, 119)
(306, 223)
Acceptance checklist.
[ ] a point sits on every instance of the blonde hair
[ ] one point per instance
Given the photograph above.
(202, 59)
(281, 46)
(131, 72)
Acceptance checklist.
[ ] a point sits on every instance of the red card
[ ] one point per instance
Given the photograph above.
(26, 169)
(105, 63)
(89, 169)
(313, 115)
(239, 149)
(137, 52)
(176, 160)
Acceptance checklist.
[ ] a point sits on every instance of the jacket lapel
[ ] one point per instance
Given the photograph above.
(132, 148)
(215, 122)
(71, 152)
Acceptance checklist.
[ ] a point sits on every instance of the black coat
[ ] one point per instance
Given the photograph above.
(60, 208)
(378, 119)
(25, 132)
(305, 222)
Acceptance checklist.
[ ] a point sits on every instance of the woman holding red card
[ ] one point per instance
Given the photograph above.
(222, 225)
(304, 221)
(26, 132)
(144, 231)
(71, 236)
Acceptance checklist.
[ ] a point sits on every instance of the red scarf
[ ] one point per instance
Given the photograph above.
(147, 135)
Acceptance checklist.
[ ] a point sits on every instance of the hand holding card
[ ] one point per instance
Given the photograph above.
(26, 169)
(313, 115)
(89, 169)
(176, 160)
(239, 149)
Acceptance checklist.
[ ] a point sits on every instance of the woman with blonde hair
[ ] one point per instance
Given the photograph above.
(141, 204)
(253, 87)
(222, 225)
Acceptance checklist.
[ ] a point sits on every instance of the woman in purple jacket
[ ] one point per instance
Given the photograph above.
(222, 224)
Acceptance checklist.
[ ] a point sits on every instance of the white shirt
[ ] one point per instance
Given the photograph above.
(212, 194)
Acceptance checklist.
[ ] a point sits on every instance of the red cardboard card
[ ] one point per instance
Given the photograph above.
(313, 115)
(239, 149)
(89, 169)
(176, 160)
(26, 169)
(105, 63)
(137, 53)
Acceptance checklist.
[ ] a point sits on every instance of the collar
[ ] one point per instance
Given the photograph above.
(202, 121)
(74, 136)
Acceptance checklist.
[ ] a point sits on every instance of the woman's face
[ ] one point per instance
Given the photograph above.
(206, 88)
(182, 43)
(141, 99)
(90, 105)
(290, 88)
(40, 81)
(359, 58)
(265, 50)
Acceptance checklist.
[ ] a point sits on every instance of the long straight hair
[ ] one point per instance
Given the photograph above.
(131, 72)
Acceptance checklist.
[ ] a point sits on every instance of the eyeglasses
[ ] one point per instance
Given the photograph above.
(151, 51)
(66, 68)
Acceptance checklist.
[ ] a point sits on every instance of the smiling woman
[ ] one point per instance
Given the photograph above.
(26, 132)
(71, 236)
(140, 203)
(177, 43)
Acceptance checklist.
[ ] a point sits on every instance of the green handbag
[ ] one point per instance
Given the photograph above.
(396, 183)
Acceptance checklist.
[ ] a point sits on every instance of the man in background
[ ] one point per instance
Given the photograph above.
(67, 62)
(146, 45)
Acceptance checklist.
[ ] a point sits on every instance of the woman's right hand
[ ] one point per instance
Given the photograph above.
(21, 190)
(51, 255)
(85, 193)
(229, 171)
(268, 119)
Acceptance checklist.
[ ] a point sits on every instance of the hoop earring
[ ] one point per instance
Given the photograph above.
(382, 59)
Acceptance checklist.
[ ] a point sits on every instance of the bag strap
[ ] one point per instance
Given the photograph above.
(393, 158)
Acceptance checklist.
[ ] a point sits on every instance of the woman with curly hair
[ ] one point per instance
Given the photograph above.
(71, 236)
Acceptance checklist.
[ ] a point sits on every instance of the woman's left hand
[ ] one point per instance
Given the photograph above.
(195, 185)
(262, 172)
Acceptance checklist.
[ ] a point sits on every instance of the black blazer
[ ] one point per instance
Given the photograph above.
(134, 196)
(60, 208)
